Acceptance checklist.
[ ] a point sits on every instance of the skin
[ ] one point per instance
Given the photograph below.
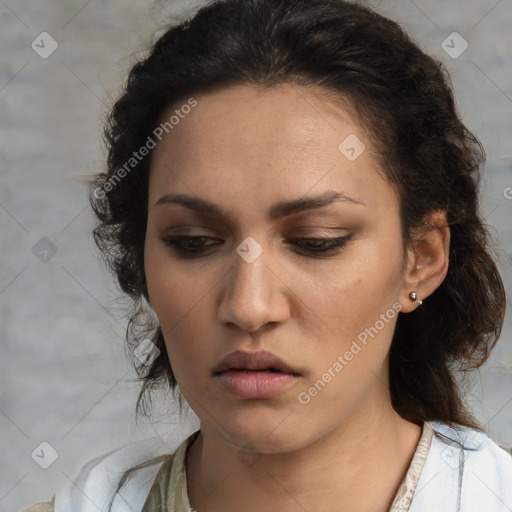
(245, 149)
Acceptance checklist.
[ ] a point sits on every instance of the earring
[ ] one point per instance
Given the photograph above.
(413, 296)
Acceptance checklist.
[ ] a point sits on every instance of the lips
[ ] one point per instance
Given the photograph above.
(254, 375)
(253, 361)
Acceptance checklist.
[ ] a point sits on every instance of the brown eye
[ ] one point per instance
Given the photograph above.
(196, 246)
(322, 245)
(188, 246)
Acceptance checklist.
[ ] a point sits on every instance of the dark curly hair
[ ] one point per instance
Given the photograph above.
(404, 99)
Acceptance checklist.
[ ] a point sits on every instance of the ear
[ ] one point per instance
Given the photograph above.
(427, 260)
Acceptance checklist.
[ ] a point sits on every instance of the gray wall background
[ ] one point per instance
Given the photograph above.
(64, 375)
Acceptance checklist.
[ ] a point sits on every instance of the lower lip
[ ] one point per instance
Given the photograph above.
(255, 384)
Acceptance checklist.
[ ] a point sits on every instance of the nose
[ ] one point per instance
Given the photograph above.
(253, 295)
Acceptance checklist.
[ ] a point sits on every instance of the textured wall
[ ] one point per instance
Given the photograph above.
(64, 375)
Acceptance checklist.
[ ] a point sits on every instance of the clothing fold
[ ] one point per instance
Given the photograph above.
(454, 469)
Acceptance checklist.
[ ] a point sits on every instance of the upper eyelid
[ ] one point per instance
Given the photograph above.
(346, 239)
(317, 237)
(222, 231)
(314, 219)
(291, 237)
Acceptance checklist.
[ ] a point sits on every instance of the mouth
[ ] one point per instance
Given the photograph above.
(247, 370)
(254, 375)
(260, 360)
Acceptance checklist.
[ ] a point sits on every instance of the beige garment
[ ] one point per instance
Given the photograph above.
(403, 498)
(46, 506)
(169, 491)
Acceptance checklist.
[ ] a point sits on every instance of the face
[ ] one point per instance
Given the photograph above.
(245, 260)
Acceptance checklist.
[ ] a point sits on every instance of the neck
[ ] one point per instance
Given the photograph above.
(366, 452)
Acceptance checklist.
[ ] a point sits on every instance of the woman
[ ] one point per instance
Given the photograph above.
(291, 192)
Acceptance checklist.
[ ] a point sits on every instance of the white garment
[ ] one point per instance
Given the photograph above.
(101, 485)
(465, 471)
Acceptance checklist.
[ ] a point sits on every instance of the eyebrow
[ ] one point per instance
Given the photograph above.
(278, 210)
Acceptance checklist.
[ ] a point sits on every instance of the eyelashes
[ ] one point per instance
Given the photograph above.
(196, 246)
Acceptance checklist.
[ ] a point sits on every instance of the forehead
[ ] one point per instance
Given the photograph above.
(282, 116)
(285, 140)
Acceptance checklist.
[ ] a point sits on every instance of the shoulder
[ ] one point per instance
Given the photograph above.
(122, 476)
(465, 468)
(474, 444)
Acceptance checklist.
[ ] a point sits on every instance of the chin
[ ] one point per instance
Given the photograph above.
(266, 431)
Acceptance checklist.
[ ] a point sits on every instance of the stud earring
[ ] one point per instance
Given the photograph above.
(413, 296)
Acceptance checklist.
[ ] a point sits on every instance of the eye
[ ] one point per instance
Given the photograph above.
(322, 245)
(195, 246)
(189, 246)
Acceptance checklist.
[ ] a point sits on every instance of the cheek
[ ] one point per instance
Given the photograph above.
(360, 287)
(180, 301)
(347, 347)
(171, 286)
(355, 302)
